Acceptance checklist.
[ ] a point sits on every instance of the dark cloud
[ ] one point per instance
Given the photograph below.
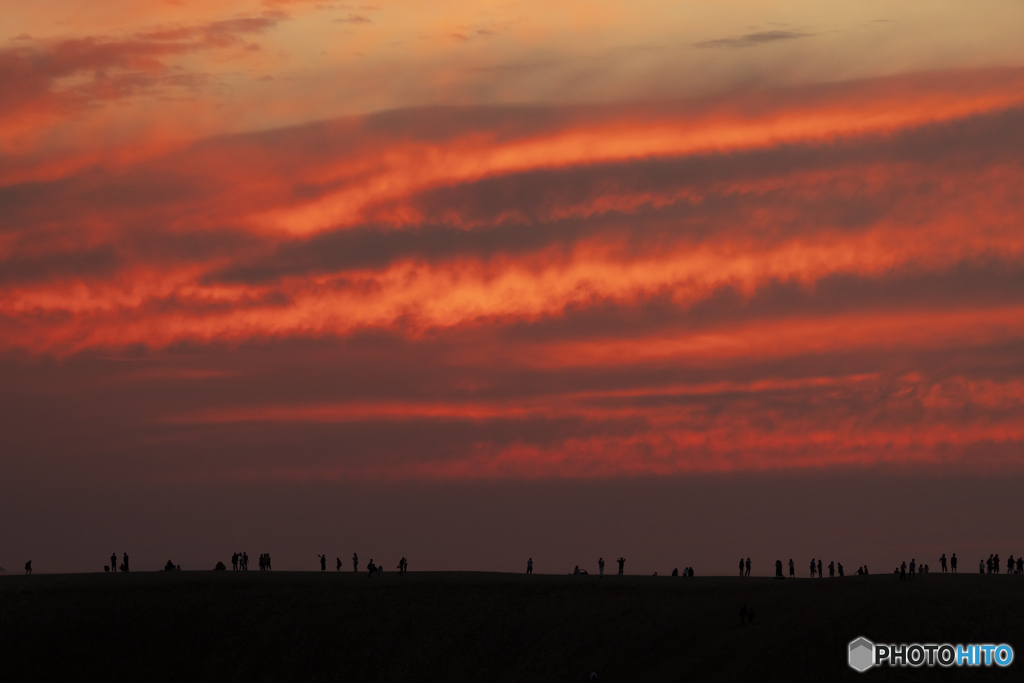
(29, 73)
(753, 39)
(353, 19)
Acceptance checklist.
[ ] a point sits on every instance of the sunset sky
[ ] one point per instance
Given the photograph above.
(476, 259)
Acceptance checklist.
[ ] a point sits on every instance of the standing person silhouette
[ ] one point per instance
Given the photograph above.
(778, 569)
(748, 567)
(113, 562)
(529, 566)
(832, 570)
(323, 562)
(28, 567)
(245, 560)
(942, 562)
(791, 574)
(840, 570)
(952, 563)
(820, 575)
(600, 566)
(814, 568)
(125, 567)
(622, 563)
(338, 568)
(355, 562)
(741, 566)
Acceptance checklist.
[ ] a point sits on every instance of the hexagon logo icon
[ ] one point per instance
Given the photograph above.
(862, 654)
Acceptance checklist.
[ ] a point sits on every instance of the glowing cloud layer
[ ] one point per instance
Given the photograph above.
(801, 274)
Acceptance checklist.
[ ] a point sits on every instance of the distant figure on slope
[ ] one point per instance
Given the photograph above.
(323, 562)
(741, 569)
(125, 568)
(355, 562)
(952, 563)
(337, 562)
(820, 574)
(903, 570)
(403, 566)
(28, 567)
(245, 560)
(981, 566)
(995, 564)
(840, 570)
(600, 567)
(832, 570)
(529, 566)
(169, 567)
(1020, 564)
(234, 562)
(113, 562)
(622, 563)
(865, 570)
(576, 572)
(675, 572)
(913, 567)
(778, 569)
(791, 574)
(942, 562)
(814, 568)
(371, 568)
(748, 567)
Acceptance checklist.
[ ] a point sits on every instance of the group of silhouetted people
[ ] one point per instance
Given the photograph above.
(991, 565)
(112, 567)
(240, 562)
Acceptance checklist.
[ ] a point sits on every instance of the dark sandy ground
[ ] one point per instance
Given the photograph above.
(304, 626)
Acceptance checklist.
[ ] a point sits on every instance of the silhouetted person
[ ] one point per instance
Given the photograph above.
(832, 570)
(529, 566)
(245, 560)
(576, 572)
(942, 562)
(1020, 564)
(865, 570)
(403, 564)
(748, 567)
(675, 572)
(791, 569)
(1009, 565)
(371, 568)
(778, 569)
(355, 562)
(234, 562)
(125, 566)
(981, 566)
(741, 571)
(995, 564)
(840, 570)
(600, 567)
(903, 570)
(814, 568)
(337, 568)
(952, 563)
(820, 574)
(28, 567)
(113, 562)
(622, 563)
(913, 567)
(323, 562)
(169, 567)
(988, 564)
